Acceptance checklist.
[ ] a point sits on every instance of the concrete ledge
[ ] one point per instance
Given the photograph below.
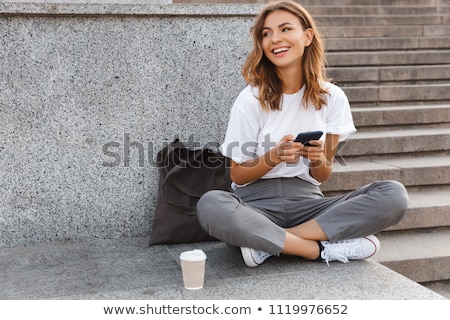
(125, 7)
(129, 269)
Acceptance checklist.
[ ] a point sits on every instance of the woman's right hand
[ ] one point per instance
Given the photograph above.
(287, 150)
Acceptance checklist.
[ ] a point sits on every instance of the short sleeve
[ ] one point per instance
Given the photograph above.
(243, 128)
(338, 114)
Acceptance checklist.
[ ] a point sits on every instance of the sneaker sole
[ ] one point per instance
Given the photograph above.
(248, 258)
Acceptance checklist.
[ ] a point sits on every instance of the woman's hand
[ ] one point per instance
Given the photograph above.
(321, 157)
(287, 150)
(290, 152)
(315, 152)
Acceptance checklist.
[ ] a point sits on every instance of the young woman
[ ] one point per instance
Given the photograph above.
(276, 205)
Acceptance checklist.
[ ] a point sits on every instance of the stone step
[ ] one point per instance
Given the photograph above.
(373, 2)
(384, 31)
(388, 58)
(421, 170)
(420, 255)
(387, 43)
(396, 141)
(441, 287)
(429, 207)
(393, 74)
(382, 20)
(316, 10)
(398, 93)
(401, 115)
(337, 3)
(351, 9)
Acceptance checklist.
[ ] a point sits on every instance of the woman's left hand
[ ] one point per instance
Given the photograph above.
(314, 152)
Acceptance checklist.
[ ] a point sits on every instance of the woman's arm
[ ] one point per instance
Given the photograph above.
(321, 157)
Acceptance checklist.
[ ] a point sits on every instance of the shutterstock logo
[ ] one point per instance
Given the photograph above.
(124, 152)
(112, 149)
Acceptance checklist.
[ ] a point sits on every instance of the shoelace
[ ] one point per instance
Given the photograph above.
(339, 252)
(261, 256)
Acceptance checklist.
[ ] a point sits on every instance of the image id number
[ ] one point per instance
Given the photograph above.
(308, 309)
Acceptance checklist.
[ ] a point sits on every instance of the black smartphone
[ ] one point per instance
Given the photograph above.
(305, 137)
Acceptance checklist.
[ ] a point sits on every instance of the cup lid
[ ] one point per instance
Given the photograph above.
(194, 255)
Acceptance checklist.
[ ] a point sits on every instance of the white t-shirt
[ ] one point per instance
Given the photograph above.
(253, 131)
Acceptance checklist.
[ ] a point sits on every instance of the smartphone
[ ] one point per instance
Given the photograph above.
(305, 137)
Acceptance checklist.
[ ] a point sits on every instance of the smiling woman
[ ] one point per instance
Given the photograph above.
(284, 43)
(291, 23)
(276, 206)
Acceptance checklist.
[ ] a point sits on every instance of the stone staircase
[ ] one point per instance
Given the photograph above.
(393, 61)
(392, 58)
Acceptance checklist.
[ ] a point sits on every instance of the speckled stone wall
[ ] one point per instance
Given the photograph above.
(90, 93)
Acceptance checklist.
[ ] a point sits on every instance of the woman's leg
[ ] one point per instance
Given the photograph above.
(360, 213)
(367, 210)
(226, 217)
(357, 214)
(303, 247)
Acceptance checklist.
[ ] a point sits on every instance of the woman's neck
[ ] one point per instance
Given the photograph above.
(292, 80)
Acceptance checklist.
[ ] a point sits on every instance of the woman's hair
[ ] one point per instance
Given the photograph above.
(260, 72)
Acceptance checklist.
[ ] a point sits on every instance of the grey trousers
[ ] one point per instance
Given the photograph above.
(255, 216)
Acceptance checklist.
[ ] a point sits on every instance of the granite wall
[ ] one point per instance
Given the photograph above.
(89, 93)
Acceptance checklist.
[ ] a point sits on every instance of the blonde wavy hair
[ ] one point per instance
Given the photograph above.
(258, 71)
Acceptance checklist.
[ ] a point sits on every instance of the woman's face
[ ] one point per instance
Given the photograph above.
(284, 40)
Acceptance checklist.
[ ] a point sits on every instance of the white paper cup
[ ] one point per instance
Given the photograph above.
(193, 269)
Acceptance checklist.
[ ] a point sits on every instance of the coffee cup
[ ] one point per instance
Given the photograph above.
(193, 268)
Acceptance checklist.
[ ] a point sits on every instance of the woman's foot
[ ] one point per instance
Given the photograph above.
(351, 249)
(254, 258)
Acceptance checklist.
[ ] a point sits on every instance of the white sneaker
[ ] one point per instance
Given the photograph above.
(352, 249)
(254, 258)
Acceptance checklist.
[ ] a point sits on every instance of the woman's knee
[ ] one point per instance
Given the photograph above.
(396, 197)
(210, 200)
(211, 205)
(399, 195)
(217, 214)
